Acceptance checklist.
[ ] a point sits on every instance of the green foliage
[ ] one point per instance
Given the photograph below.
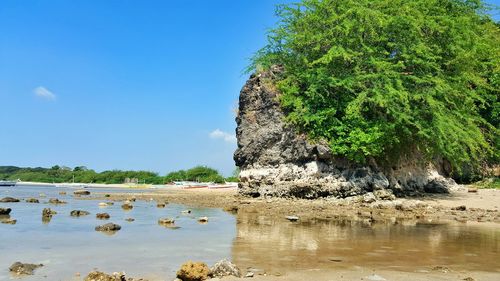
(377, 78)
(493, 183)
(198, 173)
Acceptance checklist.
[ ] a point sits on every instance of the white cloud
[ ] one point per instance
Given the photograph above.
(219, 134)
(43, 93)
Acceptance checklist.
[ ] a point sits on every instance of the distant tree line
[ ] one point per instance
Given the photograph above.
(81, 174)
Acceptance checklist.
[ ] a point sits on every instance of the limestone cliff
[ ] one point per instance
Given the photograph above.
(277, 161)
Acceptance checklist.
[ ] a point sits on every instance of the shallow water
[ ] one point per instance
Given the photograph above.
(142, 248)
(145, 249)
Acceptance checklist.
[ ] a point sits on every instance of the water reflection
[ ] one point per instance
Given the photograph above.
(276, 245)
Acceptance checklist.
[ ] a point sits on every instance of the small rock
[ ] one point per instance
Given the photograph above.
(384, 194)
(224, 268)
(24, 268)
(203, 219)
(47, 212)
(32, 200)
(186, 212)
(102, 216)
(130, 219)
(79, 213)
(443, 269)
(193, 271)
(132, 199)
(109, 227)
(472, 190)
(460, 208)
(292, 218)
(249, 274)
(231, 209)
(101, 276)
(107, 195)
(5, 211)
(160, 205)
(9, 200)
(166, 221)
(469, 279)
(8, 221)
(62, 193)
(103, 204)
(81, 192)
(56, 201)
(127, 206)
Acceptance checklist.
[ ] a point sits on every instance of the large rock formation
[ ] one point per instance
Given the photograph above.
(277, 161)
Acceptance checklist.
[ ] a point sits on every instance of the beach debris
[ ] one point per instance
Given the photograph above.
(203, 219)
(460, 208)
(79, 213)
(5, 211)
(292, 218)
(81, 192)
(186, 212)
(115, 276)
(62, 193)
(441, 268)
(193, 271)
(20, 268)
(224, 268)
(127, 206)
(47, 213)
(472, 189)
(166, 221)
(469, 279)
(108, 227)
(32, 200)
(103, 204)
(9, 200)
(102, 216)
(160, 205)
(56, 201)
(249, 274)
(8, 221)
(130, 219)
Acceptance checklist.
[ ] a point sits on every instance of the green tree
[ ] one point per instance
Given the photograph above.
(380, 78)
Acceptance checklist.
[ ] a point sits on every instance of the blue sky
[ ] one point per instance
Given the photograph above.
(142, 85)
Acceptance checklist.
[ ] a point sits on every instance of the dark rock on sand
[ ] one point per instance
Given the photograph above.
(81, 192)
(5, 211)
(79, 213)
(102, 216)
(9, 200)
(460, 208)
(108, 227)
(130, 219)
(24, 268)
(32, 200)
(127, 206)
(160, 205)
(224, 268)
(193, 271)
(56, 201)
(166, 221)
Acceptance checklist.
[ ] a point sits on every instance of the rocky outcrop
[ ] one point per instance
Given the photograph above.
(9, 200)
(277, 161)
(193, 271)
(20, 268)
(79, 213)
(5, 211)
(116, 276)
(224, 268)
(108, 227)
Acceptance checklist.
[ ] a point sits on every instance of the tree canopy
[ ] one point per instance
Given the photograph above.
(376, 78)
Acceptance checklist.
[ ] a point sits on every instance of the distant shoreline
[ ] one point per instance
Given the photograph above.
(91, 185)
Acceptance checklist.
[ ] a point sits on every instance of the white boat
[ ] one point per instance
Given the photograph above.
(7, 183)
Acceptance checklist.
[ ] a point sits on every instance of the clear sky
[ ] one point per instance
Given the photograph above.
(116, 84)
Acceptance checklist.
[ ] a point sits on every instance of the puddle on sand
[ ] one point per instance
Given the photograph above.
(276, 245)
(143, 248)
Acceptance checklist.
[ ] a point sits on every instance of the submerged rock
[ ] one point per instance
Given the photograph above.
(32, 200)
(203, 219)
(81, 192)
(130, 219)
(160, 205)
(127, 206)
(102, 216)
(186, 212)
(62, 193)
(56, 201)
(166, 221)
(79, 213)
(5, 211)
(224, 268)
(108, 227)
(9, 200)
(193, 271)
(24, 268)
